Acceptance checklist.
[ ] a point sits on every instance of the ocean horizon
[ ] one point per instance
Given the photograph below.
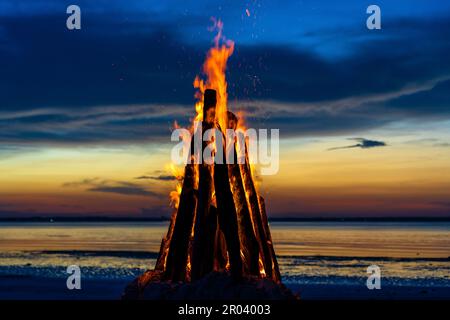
(318, 260)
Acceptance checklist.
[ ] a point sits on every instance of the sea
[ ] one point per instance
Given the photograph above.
(318, 260)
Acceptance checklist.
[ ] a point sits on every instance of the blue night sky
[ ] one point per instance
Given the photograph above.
(135, 52)
(310, 68)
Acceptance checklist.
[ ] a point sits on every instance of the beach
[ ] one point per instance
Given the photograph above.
(318, 260)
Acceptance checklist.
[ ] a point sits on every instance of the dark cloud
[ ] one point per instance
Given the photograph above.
(435, 101)
(108, 186)
(143, 177)
(363, 144)
(120, 81)
(124, 190)
(84, 182)
(161, 177)
(97, 125)
(53, 67)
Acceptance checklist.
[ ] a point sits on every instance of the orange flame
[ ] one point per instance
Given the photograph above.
(262, 272)
(175, 194)
(214, 69)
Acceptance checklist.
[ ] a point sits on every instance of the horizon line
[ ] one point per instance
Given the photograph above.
(273, 219)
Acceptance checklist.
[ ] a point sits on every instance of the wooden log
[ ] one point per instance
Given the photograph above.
(228, 218)
(276, 276)
(176, 262)
(165, 243)
(252, 199)
(162, 255)
(220, 253)
(202, 261)
(248, 243)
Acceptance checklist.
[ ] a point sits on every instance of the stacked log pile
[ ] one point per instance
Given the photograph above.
(220, 224)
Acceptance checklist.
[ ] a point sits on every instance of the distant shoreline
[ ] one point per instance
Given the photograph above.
(278, 219)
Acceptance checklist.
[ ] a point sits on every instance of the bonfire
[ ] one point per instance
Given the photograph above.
(219, 224)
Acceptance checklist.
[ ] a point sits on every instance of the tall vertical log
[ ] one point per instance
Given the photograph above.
(228, 218)
(165, 243)
(205, 226)
(176, 262)
(252, 198)
(162, 255)
(220, 254)
(276, 276)
(249, 244)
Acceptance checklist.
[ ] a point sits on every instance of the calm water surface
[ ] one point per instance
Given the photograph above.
(318, 252)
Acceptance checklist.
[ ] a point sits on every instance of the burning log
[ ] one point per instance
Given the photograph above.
(252, 199)
(220, 255)
(228, 218)
(276, 276)
(164, 248)
(202, 261)
(249, 243)
(206, 219)
(176, 262)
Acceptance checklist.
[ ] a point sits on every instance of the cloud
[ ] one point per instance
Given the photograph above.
(433, 142)
(109, 186)
(160, 177)
(84, 182)
(96, 125)
(124, 190)
(104, 86)
(363, 144)
(153, 123)
(443, 144)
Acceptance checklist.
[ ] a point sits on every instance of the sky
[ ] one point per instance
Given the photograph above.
(86, 115)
